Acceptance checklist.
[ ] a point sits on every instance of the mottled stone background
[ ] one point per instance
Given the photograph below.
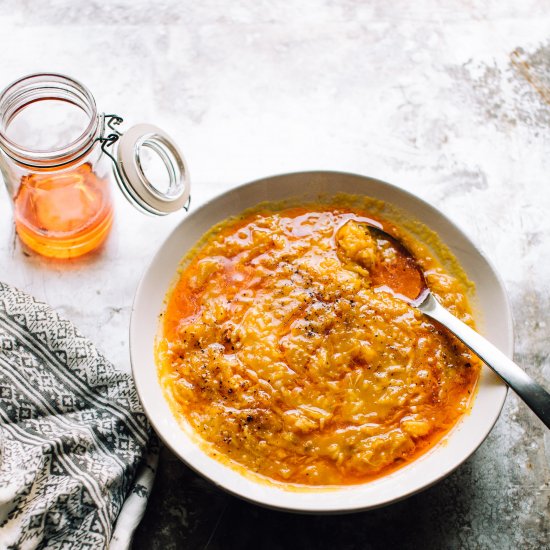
(450, 100)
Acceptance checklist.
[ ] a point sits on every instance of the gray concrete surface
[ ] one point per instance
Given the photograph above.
(449, 100)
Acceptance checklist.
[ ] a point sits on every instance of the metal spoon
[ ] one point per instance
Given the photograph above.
(418, 295)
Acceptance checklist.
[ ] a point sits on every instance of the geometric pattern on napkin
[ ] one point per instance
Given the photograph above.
(72, 434)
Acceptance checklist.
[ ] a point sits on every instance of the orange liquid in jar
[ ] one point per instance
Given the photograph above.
(63, 215)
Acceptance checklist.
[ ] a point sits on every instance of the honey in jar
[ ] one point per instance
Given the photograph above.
(63, 215)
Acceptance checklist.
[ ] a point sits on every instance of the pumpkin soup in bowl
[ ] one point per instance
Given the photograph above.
(282, 351)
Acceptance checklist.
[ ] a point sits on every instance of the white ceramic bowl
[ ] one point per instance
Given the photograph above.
(494, 321)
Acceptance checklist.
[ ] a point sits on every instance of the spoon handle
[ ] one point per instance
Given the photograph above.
(533, 394)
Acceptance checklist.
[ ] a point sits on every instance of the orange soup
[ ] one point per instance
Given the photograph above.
(282, 351)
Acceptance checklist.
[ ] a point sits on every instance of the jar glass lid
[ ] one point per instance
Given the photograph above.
(155, 192)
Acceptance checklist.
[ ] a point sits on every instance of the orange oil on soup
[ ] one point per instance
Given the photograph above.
(280, 352)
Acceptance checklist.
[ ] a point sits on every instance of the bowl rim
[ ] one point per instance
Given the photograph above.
(197, 458)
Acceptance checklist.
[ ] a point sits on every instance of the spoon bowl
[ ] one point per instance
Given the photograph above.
(402, 277)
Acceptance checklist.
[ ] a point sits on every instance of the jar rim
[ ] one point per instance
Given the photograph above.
(43, 86)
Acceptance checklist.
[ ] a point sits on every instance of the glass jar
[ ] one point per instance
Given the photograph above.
(55, 157)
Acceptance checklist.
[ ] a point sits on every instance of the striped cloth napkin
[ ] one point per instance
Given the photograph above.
(77, 457)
